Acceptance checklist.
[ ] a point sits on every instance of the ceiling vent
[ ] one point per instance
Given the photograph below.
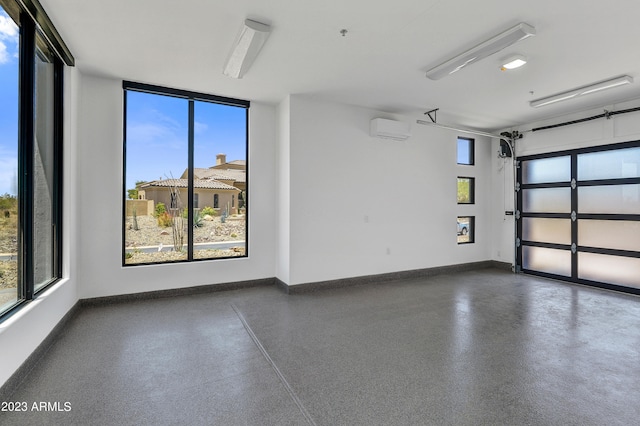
(390, 129)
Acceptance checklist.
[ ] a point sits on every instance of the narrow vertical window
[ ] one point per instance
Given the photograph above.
(31, 83)
(220, 168)
(466, 151)
(43, 165)
(466, 229)
(157, 154)
(466, 190)
(9, 74)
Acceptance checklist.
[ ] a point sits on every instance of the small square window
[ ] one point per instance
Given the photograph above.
(466, 190)
(466, 151)
(466, 229)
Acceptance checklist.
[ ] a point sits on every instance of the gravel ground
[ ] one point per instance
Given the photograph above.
(8, 281)
(213, 230)
(150, 234)
(8, 298)
(169, 256)
(8, 273)
(9, 244)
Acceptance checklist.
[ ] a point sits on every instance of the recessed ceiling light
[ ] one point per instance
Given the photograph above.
(513, 62)
(580, 91)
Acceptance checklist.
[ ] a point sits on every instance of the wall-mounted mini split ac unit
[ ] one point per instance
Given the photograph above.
(390, 129)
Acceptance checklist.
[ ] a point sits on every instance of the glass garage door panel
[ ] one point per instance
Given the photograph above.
(546, 200)
(611, 234)
(609, 269)
(552, 261)
(543, 230)
(621, 163)
(614, 199)
(547, 170)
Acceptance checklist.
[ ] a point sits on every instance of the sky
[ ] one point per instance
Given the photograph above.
(464, 153)
(157, 127)
(8, 104)
(157, 135)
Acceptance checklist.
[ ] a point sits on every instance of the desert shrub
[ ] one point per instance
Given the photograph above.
(160, 209)
(135, 220)
(8, 202)
(197, 219)
(208, 211)
(165, 220)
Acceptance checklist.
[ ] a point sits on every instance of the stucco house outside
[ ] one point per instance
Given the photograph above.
(221, 186)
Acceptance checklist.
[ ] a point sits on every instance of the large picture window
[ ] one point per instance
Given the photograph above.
(185, 166)
(31, 70)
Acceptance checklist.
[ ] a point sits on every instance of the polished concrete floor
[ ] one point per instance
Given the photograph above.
(475, 348)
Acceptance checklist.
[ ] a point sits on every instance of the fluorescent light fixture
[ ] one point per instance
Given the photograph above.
(487, 48)
(246, 47)
(513, 62)
(584, 90)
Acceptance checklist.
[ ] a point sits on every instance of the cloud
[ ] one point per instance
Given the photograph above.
(156, 129)
(4, 56)
(8, 28)
(199, 127)
(8, 34)
(149, 132)
(8, 172)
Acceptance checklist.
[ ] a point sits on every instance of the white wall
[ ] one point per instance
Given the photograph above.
(283, 161)
(502, 196)
(21, 334)
(619, 128)
(361, 205)
(100, 193)
(328, 201)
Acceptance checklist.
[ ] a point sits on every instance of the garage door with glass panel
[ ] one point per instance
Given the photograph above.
(579, 216)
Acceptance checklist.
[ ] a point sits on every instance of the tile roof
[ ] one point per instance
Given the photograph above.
(222, 174)
(182, 183)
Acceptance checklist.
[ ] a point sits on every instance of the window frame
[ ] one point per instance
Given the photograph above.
(34, 23)
(472, 151)
(192, 97)
(471, 232)
(472, 190)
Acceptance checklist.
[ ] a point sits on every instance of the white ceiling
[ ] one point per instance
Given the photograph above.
(380, 63)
